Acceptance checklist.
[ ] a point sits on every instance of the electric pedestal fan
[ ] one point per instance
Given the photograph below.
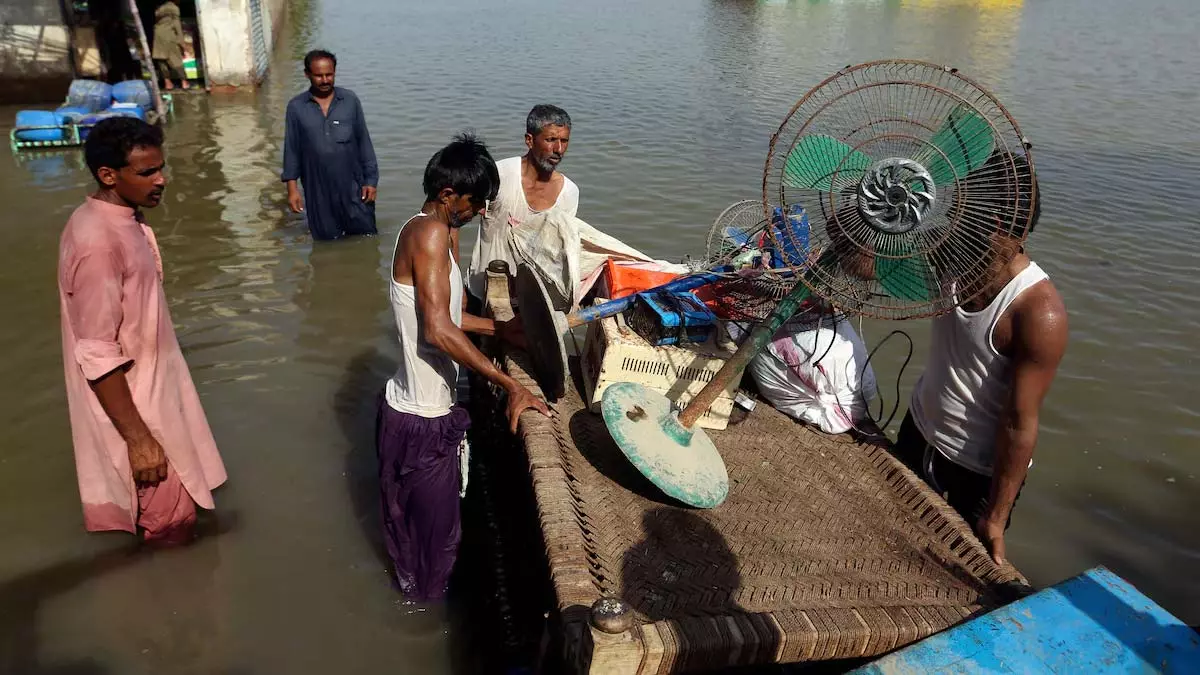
(908, 172)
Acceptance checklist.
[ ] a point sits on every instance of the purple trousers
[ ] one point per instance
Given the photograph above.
(419, 483)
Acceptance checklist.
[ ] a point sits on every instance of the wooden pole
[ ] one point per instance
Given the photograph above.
(160, 108)
(759, 337)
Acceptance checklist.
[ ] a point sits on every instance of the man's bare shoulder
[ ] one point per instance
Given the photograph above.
(423, 236)
(1041, 320)
(425, 231)
(1042, 302)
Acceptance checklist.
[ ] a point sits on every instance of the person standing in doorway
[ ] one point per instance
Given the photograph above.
(421, 429)
(168, 45)
(327, 150)
(529, 185)
(144, 454)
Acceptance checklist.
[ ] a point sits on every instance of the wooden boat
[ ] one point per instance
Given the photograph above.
(826, 549)
(1094, 623)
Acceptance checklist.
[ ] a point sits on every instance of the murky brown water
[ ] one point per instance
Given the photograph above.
(673, 102)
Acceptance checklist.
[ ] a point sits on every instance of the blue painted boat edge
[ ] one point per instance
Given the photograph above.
(1095, 622)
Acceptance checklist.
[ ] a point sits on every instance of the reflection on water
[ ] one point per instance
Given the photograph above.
(289, 342)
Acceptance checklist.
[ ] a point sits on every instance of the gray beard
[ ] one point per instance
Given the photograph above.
(543, 165)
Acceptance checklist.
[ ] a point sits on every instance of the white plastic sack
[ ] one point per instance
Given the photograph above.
(805, 376)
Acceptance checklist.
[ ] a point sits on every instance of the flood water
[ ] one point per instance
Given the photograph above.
(673, 103)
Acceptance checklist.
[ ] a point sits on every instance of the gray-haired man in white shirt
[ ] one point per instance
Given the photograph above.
(530, 185)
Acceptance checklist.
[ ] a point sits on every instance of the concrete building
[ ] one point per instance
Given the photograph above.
(237, 37)
(35, 50)
(44, 44)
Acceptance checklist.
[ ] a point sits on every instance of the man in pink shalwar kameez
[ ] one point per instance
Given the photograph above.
(144, 454)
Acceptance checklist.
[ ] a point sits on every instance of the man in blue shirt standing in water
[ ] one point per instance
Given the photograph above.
(328, 150)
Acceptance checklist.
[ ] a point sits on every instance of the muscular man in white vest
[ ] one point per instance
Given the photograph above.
(973, 420)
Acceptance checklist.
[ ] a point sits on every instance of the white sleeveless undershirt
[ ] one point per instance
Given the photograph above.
(425, 382)
(958, 402)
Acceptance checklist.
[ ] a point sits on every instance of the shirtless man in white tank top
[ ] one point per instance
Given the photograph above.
(421, 261)
(973, 421)
(420, 428)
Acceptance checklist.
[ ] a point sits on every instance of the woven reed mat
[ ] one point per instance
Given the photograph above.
(825, 548)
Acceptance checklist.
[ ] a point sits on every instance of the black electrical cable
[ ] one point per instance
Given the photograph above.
(896, 406)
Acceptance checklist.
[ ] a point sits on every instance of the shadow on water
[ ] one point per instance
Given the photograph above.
(22, 597)
(1149, 526)
(356, 403)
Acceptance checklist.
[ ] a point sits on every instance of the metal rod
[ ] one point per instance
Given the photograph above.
(754, 344)
(160, 108)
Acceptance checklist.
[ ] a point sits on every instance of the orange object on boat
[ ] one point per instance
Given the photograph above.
(624, 280)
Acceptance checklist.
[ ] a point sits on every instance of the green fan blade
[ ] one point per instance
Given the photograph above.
(815, 159)
(966, 139)
(904, 278)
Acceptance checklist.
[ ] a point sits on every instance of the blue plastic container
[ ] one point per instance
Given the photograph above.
(670, 318)
(91, 94)
(133, 91)
(38, 118)
(791, 236)
(127, 110)
(70, 114)
(86, 123)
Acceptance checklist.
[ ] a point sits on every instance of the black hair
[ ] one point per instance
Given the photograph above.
(1020, 189)
(317, 55)
(465, 166)
(111, 140)
(545, 115)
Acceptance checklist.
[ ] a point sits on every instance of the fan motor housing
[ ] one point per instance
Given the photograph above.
(895, 195)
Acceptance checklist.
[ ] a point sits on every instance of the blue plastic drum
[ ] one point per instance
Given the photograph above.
(86, 123)
(133, 91)
(90, 94)
(38, 118)
(127, 110)
(70, 114)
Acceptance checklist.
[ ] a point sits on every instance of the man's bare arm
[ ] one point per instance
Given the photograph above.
(431, 276)
(146, 457)
(510, 331)
(1039, 342)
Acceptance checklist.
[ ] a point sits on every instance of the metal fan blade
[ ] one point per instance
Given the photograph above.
(904, 278)
(815, 160)
(966, 138)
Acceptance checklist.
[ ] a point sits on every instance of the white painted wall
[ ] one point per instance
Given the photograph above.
(225, 35)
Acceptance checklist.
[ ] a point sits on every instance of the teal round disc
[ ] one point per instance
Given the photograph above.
(681, 462)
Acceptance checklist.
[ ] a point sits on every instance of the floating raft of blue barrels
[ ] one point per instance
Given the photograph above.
(87, 103)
